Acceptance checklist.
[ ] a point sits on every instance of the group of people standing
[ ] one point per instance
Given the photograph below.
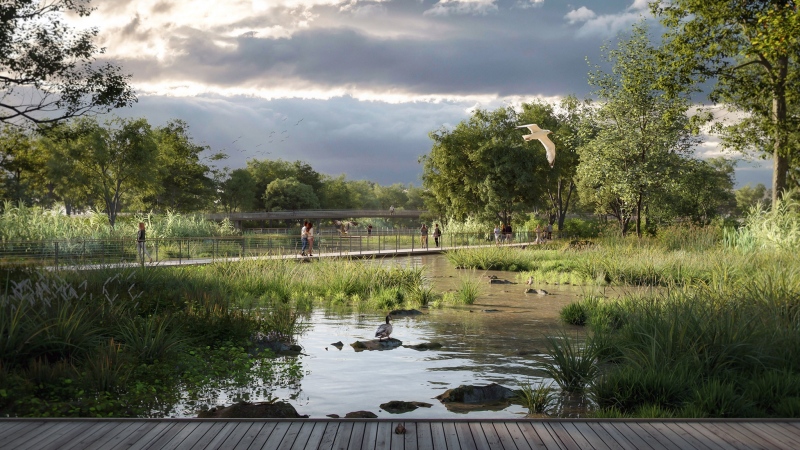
(437, 233)
(503, 233)
(307, 238)
(544, 233)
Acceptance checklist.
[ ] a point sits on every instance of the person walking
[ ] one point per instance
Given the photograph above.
(423, 238)
(437, 233)
(391, 210)
(497, 234)
(304, 238)
(141, 245)
(549, 231)
(369, 230)
(310, 233)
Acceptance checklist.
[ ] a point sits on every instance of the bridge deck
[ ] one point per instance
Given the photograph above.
(367, 434)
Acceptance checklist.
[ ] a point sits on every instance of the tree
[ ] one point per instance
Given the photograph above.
(185, 184)
(237, 192)
(289, 194)
(569, 126)
(48, 71)
(267, 171)
(483, 168)
(641, 122)
(117, 160)
(752, 50)
(335, 193)
(748, 197)
(22, 165)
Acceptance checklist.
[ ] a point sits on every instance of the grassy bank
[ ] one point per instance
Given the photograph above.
(137, 342)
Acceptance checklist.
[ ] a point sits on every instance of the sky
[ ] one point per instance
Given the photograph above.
(354, 87)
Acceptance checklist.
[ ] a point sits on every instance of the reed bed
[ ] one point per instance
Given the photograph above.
(726, 345)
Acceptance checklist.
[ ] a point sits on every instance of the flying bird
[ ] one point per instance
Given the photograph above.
(541, 136)
(384, 330)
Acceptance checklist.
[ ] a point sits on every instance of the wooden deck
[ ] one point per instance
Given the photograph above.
(358, 434)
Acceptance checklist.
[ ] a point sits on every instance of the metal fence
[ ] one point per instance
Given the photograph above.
(81, 252)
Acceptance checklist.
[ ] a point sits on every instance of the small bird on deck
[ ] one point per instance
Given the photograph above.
(384, 330)
(541, 136)
(530, 281)
(400, 429)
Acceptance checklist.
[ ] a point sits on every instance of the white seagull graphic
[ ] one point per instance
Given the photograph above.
(541, 136)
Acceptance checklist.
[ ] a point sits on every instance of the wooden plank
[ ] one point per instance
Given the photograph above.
(491, 436)
(69, 439)
(562, 435)
(166, 436)
(547, 437)
(450, 435)
(518, 437)
(101, 437)
(677, 435)
(342, 440)
(113, 441)
(73, 430)
(733, 434)
(136, 436)
(531, 436)
(465, 438)
(291, 436)
(583, 435)
(411, 436)
(383, 436)
(203, 435)
(329, 436)
(611, 437)
(151, 435)
(766, 436)
(17, 428)
(317, 429)
(627, 433)
(424, 438)
(29, 439)
(478, 436)
(660, 437)
(220, 435)
(357, 436)
(263, 435)
(784, 429)
(437, 436)
(723, 436)
(705, 437)
(275, 437)
(190, 437)
(250, 435)
(505, 438)
(370, 436)
(236, 435)
(651, 440)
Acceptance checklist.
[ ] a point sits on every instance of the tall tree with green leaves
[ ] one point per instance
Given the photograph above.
(483, 168)
(118, 160)
(49, 71)
(237, 191)
(288, 194)
(752, 49)
(642, 120)
(571, 126)
(185, 182)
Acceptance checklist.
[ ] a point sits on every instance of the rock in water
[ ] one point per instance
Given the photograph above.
(247, 410)
(360, 415)
(400, 407)
(376, 344)
(476, 394)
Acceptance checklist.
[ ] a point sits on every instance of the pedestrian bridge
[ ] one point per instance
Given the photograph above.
(303, 214)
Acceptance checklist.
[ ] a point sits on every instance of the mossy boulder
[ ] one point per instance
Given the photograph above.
(247, 410)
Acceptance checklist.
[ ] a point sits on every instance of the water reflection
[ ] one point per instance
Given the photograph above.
(499, 339)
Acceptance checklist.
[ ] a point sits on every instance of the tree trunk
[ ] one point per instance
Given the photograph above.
(780, 157)
(639, 214)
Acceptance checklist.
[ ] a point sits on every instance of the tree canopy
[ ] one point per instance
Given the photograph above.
(49, 71)
(752, 50)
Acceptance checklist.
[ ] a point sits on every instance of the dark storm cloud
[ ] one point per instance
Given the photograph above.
(503, 57)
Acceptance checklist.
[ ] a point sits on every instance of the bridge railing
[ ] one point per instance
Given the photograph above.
(79, 252)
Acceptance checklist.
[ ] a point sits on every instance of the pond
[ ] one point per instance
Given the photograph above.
(498, 339)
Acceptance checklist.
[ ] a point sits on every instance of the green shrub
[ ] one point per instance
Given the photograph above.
(574, 314)
(628, 388)
(716, 398)
(536, 398)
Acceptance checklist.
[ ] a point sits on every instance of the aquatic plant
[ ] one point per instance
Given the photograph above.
(536, 398)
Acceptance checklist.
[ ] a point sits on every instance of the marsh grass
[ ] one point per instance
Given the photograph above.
(536, 398)
(572, 364)
(730, 341)
(469, 289)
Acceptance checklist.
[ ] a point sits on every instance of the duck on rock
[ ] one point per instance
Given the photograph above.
(384, 330)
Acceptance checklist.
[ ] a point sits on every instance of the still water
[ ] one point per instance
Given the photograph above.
(498, 339)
